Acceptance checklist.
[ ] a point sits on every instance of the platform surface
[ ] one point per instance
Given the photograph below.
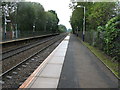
(82, 69)
(71, 65)
(48, 74)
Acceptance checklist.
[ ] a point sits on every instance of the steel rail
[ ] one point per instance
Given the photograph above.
(22, 49)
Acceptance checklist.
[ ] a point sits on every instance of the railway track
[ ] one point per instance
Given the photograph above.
(15, 51)
(8, 46)
(45, 44)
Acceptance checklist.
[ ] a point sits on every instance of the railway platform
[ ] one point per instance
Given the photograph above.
(23, 39)
(71, 65)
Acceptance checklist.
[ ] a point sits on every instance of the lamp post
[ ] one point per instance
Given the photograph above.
(5, 23)
(83, 33)
(16, 23)
(79, 6)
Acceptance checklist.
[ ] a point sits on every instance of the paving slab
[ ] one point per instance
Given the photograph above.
(44, 83)
(51, 71)
(57, 60)
(48, 73)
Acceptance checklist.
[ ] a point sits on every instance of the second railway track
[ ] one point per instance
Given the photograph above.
(12, 52)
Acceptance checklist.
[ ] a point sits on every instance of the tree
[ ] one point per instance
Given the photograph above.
(30, 17)
(77, 19)
(62, 28)
(111, 37)
(99, 14)
(102, 25)
(0, 15)
(52, 21)
(8, 8)
(96, 14)
(40, 17)
(69, 30)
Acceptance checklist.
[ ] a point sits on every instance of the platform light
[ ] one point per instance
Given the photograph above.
(83, 33)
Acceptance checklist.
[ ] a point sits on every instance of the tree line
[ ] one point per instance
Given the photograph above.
(29, 18)
(102, 25)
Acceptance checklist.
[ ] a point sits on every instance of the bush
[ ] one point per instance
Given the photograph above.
(111, 37)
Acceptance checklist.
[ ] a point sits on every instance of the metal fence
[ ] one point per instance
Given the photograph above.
(96, 39)
(93, 38)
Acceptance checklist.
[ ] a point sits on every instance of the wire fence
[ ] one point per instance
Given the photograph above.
(96, 39)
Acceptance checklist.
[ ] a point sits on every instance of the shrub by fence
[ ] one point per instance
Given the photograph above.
(106, 38)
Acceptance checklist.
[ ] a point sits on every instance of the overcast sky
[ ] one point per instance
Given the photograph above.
(60, 6)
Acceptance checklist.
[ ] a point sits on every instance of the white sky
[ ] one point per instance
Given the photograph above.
(60, 6)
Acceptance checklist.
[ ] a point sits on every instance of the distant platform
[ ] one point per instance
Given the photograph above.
(25, 38)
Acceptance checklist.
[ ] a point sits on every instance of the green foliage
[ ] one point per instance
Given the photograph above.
(39, 15)
(29, 14)
(24, 17)
(96, 14)
(51, 21)
(29, 18)
(75, 22)
(99, 14)
(102, 30)
(62, 28)
(69, 30)
(111, 38)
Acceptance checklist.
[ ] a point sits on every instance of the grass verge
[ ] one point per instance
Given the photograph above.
(113, 66)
